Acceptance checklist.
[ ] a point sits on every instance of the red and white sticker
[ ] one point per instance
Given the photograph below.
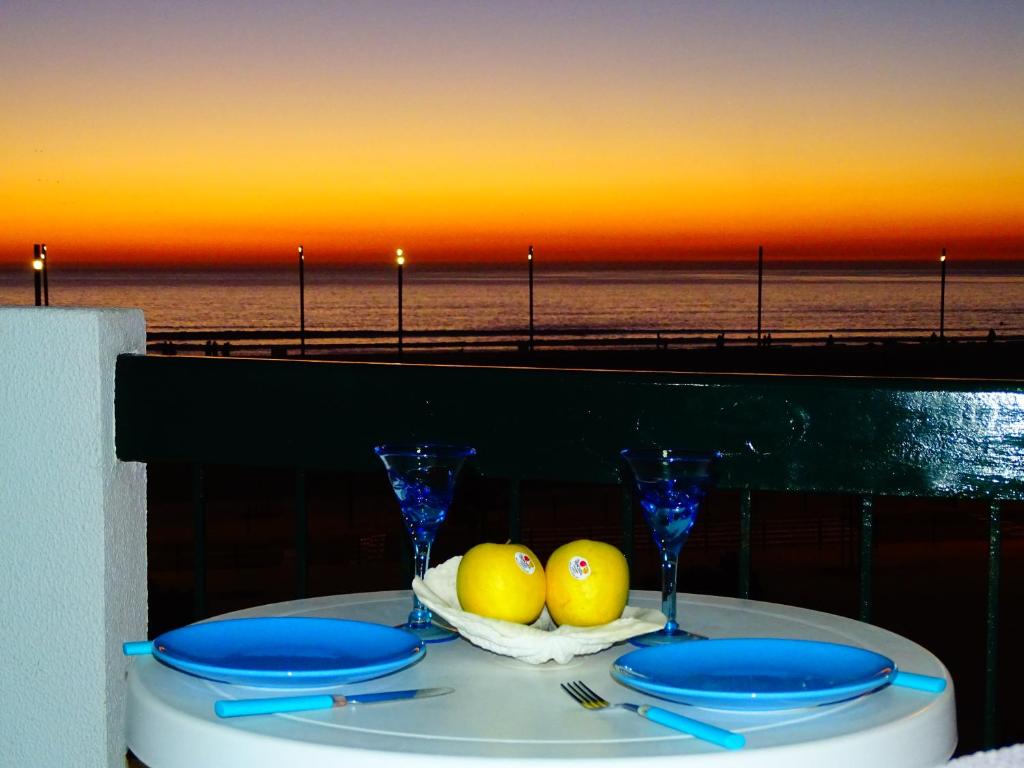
(579, 568)
(525, 563)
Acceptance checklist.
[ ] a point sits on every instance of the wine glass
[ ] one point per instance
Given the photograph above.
(423, 478)
(672, 485)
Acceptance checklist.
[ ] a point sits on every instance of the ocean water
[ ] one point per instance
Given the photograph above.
(796, 298)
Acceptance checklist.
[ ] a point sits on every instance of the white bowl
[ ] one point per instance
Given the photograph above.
(537, 643)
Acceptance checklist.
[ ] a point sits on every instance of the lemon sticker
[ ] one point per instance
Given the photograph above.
(525, 563)
(579, 568)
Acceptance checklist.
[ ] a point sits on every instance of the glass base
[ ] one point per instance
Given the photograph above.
(661, 637)
(431, 633)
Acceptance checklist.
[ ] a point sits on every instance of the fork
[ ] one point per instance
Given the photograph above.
(723, 738)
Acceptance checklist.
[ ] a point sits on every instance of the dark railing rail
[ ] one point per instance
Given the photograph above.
(865, 437)
(278, 334)
(321, 341)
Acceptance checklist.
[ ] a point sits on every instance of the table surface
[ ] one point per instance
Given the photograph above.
(505, 711)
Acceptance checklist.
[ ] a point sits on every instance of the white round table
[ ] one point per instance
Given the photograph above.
(506, 712)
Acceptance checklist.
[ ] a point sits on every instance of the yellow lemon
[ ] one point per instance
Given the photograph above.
(502, 581)
(588, 583)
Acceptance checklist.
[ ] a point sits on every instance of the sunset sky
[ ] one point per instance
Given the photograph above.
(199, 132)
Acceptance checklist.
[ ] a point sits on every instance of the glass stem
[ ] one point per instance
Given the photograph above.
(420, 615)
(669, 561)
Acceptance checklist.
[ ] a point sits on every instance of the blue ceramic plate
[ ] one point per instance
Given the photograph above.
(288, 652)
(752, 674)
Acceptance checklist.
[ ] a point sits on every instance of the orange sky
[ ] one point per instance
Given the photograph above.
(151, 134)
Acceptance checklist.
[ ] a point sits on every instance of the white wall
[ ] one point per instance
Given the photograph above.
(72, 537)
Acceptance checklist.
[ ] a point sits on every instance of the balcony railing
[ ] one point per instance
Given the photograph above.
(865, 437)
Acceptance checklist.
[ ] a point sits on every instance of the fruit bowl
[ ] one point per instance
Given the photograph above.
(536, 643)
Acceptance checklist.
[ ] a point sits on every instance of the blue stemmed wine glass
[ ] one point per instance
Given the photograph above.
(423, 478)
(672, 485)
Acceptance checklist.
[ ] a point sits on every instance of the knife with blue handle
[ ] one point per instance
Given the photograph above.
(918, 682)
(278, 704)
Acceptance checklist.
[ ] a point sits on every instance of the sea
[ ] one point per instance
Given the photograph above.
(797, 298)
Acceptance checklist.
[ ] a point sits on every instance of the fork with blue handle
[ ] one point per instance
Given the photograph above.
(589, 700)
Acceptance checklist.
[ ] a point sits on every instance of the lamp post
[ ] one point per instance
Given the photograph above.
(942, 296)
(46, 278)
(400, 262)
(760, 279)
(302, 302)
(37, 269)
(529, 261)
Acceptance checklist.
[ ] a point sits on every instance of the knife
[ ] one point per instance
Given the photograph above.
(238, 707)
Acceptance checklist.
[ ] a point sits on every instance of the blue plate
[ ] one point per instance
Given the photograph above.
(288, 652)
(754, 674)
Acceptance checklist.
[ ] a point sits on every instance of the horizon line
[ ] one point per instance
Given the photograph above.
(732, 261)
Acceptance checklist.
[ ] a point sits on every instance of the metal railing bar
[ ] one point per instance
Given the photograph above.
(628, 545)
(867, 546)
(515, 509)
(743, 586)
(301, 535)
(199, 541)
(995, 538)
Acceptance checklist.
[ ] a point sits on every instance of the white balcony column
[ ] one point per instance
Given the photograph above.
(72, 537)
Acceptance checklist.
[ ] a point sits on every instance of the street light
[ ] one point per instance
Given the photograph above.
(529, 261)
(942, 296)
(37, 267)
(46, 278)
(400, 261)
(302, 302)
